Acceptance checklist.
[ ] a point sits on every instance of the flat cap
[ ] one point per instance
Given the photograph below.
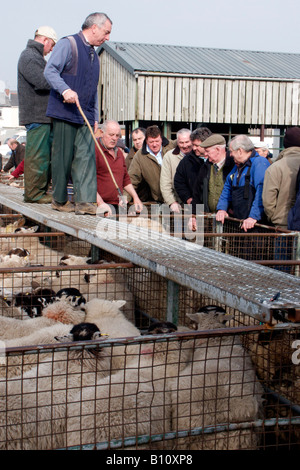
(214, 139)
(261, 145)
(48, 32)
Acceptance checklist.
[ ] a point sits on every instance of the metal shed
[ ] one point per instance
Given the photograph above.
(141, 83)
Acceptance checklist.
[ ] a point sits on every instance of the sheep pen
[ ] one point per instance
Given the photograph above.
(169, 391)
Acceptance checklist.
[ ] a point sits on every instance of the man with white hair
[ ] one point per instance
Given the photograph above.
(262, 149)
(244, 184)
(33, 94)
(73, 73)
(107, 192)
(169, 166)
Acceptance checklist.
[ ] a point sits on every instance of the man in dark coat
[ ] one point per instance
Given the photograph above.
(17, 154)
(188, 169)
(33, 93)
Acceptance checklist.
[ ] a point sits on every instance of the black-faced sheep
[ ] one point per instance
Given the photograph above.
(72, 295)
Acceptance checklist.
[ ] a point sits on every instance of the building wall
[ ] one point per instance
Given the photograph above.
(168, 98)
(117, 91)
(9, 116)
(253, 102)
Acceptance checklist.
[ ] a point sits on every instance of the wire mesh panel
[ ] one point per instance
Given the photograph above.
(185, 391)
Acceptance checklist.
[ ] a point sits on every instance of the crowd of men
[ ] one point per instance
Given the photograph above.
(58, 105)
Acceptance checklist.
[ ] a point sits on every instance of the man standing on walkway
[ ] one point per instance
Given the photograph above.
(33, 94)
(73, 73)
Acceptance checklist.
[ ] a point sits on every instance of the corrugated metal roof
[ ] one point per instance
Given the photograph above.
(204, 61)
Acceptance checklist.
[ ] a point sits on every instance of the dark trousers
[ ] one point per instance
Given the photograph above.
(37, 162)
(73, 155)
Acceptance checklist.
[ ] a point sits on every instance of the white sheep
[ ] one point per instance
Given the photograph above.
(218, 386)
(48, 391)
(55, 321)
(65, 404)
(59, 311)
(107, 284)
(113, 322)
(39, 253)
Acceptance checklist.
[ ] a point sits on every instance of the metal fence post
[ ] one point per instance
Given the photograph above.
(172, 302)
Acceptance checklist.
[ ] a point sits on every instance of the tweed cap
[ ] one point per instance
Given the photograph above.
(214, 139)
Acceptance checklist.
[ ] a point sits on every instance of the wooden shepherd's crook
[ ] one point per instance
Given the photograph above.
(100, 149)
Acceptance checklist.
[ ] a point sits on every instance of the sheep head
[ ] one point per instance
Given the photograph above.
(210, 317)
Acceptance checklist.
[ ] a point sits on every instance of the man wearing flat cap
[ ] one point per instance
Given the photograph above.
(262, 149)
(33, 93)
(212, 175)
(244, 184)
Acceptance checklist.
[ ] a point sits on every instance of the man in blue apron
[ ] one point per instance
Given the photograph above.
(243, 186)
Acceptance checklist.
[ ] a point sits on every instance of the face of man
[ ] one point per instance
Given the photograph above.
(100, 34)
(48, 46)
(154, 144)
(12, 145)
(199, 151)
(111, 135)
(138, 139)
(239, 156)
(214, 154)
(184, 143)
(262, 152)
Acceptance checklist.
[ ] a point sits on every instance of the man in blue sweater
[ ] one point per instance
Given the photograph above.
(243, 186)
(73, 73)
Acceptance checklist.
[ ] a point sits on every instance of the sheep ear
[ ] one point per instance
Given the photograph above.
(96, 335)
(64, 339)
(193, 316)
(35, 285)
(226, 317)
(119, 303)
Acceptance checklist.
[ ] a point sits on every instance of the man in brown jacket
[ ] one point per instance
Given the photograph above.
(146, 164)
(279, 190)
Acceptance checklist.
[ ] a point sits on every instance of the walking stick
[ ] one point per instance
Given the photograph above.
(100, 149)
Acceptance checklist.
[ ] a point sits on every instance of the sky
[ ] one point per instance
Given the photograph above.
(257, 25)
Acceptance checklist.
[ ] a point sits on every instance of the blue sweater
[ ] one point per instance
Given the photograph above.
(73, 64)
(257, 173)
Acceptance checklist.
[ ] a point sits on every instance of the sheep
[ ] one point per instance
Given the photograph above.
(32, 303)
(218, 386)
(72, 260)
(48, 391)
(107, 284)
(39, 253)
(84, 408)
(110, 320)
(145, 223)
(60, 311)
(14, 260)
(56, 321)
(72, 295)
(13, 226)
(157, 328)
